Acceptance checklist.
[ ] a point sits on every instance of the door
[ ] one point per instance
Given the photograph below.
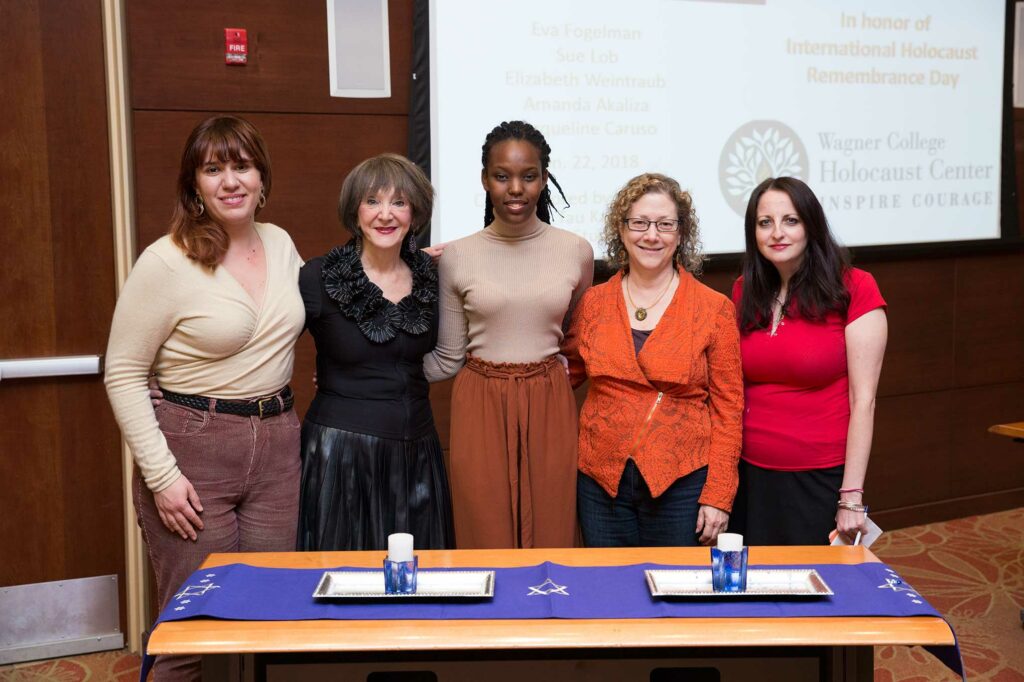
(61, 509)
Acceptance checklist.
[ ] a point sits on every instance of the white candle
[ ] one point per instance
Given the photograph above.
(730, 542)
(400, 547)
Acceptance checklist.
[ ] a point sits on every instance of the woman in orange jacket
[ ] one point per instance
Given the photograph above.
(660, 430)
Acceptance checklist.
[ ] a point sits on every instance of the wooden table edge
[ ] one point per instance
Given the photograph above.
(219, 637)
(223, 636)
(1014, 430)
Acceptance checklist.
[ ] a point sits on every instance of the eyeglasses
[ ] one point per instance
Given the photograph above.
(641, 225)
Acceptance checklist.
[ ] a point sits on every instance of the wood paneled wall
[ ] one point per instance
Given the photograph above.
(178, 78)
(60, 471)
(954, 363)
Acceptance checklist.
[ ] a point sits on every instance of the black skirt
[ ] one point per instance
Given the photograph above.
(785, 507)
(357, 489)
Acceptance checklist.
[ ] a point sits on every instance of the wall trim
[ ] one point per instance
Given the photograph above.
(946, 510)
(122, 200)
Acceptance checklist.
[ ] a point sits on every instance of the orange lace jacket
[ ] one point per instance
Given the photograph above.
(676, 407)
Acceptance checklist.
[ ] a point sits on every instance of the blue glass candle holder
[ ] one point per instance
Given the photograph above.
(400, 576)
(729, 570)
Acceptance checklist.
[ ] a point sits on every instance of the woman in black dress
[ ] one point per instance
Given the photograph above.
(372, 463)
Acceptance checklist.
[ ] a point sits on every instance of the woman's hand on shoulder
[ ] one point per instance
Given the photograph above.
(435, 251)
(710, 522)
(179, 508)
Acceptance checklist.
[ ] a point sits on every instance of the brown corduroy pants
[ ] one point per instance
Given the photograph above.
(246, 473)
(513, 456)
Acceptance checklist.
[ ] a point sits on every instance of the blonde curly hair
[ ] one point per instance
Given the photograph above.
(688, 254)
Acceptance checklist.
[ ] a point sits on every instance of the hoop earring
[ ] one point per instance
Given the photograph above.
(263, 199)
(200, 206)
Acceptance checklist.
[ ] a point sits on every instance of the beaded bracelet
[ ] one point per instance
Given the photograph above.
(851, 490)
(850, 506)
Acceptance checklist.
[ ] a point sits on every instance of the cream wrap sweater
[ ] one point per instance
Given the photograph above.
(202, 334)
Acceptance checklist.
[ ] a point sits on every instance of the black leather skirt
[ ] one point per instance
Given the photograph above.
(357, 489)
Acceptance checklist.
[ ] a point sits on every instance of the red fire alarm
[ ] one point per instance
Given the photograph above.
(236, 46)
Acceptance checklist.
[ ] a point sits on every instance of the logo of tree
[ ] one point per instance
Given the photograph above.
(755, 151)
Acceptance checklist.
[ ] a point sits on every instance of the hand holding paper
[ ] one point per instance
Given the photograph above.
(867, 539)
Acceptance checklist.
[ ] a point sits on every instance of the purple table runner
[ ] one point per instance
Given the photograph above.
(548, 590)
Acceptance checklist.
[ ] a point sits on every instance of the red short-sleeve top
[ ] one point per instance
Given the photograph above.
(797, 402)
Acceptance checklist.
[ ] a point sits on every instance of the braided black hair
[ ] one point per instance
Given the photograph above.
(521, 130)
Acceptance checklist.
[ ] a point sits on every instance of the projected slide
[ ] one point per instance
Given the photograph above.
(891, 111)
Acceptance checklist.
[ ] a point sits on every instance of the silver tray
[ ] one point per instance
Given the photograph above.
(761, 582)
(429, 585)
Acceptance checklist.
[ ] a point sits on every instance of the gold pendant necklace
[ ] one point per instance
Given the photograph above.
(640, 312)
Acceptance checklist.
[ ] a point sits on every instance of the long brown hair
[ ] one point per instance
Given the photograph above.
(227, 139)
(817, 287)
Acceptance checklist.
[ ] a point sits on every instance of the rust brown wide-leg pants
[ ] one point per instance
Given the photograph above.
(513, 456)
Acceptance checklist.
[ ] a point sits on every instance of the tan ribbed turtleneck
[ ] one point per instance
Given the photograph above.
(506, 297)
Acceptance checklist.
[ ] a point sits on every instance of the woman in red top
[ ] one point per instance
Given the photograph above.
(660, 430)
(813, 332)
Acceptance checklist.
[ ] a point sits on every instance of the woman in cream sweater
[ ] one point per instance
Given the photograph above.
(213, 310)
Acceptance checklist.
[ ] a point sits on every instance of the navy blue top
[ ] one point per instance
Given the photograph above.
(639, 338)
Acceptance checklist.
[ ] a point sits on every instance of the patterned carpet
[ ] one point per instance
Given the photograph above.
(108, 665)
(971, 570)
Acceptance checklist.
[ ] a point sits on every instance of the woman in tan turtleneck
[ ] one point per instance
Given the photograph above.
(507, 293)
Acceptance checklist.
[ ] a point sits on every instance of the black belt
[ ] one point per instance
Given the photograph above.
(264, 407)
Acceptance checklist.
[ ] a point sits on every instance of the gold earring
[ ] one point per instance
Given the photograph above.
(263, 198)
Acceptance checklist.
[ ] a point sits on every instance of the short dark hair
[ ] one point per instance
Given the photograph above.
(817, 287)
(386, 172)
(225, 138)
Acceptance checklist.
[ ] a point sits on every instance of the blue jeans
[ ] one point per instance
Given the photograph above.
(635, 519)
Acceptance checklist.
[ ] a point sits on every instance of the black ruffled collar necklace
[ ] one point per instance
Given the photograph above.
(362, 301)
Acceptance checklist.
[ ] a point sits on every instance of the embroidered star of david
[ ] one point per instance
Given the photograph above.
(196, 590)
(896, 585)
(548, 587)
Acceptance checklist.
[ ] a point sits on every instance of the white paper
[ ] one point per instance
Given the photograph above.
(867, 539)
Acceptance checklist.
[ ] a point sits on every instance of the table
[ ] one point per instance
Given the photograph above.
(1014, 430)
(796, 648)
